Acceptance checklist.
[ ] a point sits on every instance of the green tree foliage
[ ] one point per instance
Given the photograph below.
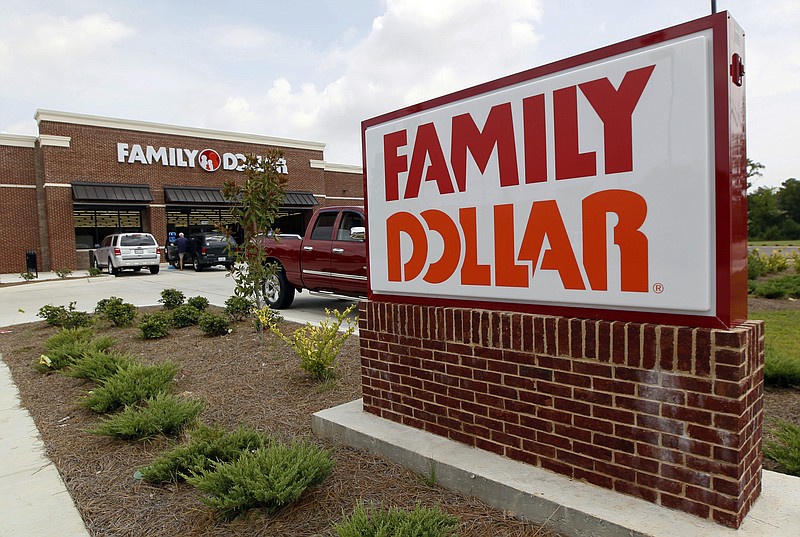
(764, 215)
(788, 198)
(773, 213)
(753, 171)
(254, 208)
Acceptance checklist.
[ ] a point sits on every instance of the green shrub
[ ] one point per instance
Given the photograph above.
(116, 311)
(266, 317)
(780, 369)
(129, 386)
(28, 276)
(69, 335)
(392, 522)
(52, 315)
(269, 477)
(780, 287)
(318, 346)
(215, 325)
(795, 259)
(68, 347)
(93, 271)
(172, 298)
(770, 289)
(77, 319)
(239, 307)
(760, 264)
(200, 303)
(755, 264)
(786, 449)
(163, 414)
(66, 317)
(206, 446)
(155, 325)
(98, 365)
(63, 273)
(184, 316)
(776, 262)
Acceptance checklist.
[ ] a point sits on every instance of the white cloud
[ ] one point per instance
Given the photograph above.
(45, 43)
(416, 51)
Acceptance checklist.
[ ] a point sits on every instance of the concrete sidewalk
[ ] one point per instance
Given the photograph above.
(33, 499)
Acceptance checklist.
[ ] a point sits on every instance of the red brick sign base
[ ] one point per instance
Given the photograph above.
(668, 414)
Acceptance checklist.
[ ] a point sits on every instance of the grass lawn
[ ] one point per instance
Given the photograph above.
(782, 330)
(782, 342)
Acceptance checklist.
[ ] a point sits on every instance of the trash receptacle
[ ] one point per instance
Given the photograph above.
(30, 262)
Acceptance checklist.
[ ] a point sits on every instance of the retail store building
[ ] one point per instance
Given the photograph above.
(84, 177)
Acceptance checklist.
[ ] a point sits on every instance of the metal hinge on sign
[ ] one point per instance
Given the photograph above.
(737, 69)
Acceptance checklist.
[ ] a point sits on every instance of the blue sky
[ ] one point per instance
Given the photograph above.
(313, 70)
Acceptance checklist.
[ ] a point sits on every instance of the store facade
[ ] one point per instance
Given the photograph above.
(84, 177)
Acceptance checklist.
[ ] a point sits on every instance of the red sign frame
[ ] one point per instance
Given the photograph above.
(730, 182)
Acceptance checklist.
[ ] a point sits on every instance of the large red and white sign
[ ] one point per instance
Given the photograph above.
(608, 185)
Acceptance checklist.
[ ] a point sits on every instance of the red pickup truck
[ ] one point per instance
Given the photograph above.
(331, 258)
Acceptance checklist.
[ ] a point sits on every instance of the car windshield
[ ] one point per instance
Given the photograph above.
(213, 240)
(137, 240)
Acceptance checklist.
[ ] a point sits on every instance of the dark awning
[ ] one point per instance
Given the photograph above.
(299, 199)
(214, 196)
(193, 195)
(111, 192)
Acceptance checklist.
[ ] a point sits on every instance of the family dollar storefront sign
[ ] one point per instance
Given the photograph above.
(207, 159)
(594, 187)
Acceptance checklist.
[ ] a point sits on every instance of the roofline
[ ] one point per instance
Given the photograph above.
(18, 140)
(331, 167)
(176, 130)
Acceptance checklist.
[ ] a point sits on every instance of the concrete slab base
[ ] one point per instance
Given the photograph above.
(542, 497)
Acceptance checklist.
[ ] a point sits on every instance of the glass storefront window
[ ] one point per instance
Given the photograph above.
(94, 224)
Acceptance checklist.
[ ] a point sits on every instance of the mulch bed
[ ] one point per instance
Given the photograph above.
(244, 380)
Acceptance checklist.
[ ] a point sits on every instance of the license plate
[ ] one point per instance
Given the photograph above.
(138, 251)
(223, 258)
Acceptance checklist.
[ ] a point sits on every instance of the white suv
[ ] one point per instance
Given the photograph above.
(128, 250)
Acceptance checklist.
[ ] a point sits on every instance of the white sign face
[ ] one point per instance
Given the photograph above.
(590, 187)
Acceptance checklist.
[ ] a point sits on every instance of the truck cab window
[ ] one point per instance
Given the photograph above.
(323, 228)
(349, 220)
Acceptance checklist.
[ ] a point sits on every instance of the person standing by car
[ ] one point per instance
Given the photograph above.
(182, 244)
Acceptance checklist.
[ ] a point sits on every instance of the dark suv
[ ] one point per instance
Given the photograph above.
(205, 250)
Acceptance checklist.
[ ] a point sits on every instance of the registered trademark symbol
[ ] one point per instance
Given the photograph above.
(658, 288)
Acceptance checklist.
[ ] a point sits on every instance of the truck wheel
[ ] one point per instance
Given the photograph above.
(196, 264)
(278, 292)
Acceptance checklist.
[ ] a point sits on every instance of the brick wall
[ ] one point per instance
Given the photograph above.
(60, 229)
(344, 188)
(669, 414)
(19, 228)
(19, 224)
